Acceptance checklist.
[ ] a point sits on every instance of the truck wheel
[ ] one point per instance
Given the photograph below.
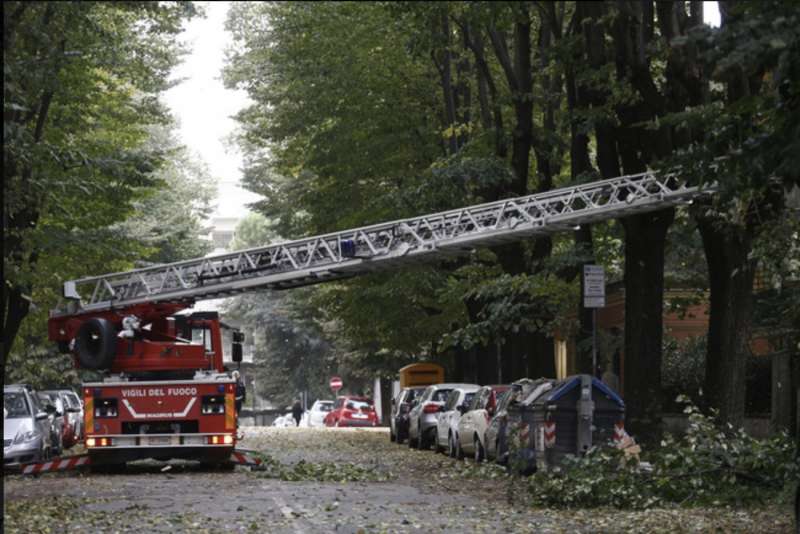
(96, 343)
(479, 454)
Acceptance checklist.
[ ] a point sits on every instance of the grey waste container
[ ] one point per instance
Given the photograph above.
(562, 417)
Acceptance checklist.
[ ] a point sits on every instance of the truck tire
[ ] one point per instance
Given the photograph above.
(96, 343)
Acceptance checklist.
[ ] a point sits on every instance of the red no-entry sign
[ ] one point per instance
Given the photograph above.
(336, 383)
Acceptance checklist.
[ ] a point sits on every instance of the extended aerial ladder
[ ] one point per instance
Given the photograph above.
(129, 322)
(381, 246)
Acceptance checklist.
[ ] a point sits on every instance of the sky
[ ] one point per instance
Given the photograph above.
(204, 107)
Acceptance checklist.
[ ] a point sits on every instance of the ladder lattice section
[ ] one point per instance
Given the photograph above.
(361, 250)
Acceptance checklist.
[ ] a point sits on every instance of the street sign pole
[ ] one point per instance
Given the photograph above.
(335, 384)
(594, 296)
(594, 341)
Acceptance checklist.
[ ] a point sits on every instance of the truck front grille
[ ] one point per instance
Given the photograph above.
(161, 427)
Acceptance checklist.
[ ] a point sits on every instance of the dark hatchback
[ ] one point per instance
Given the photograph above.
(401, 406)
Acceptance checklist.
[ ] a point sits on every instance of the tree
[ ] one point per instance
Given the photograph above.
(164, 226)
(291, 351)
(80, 87)
(750, 147)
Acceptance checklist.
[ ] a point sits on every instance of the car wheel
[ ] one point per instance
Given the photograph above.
(422, 442)
(392, 437)
(500, 458)
(479, 454)
(459, 450)
(451, 447)
(436, 446)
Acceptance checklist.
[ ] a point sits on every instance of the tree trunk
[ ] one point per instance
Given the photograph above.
(731, 276)
(645, 236)
(543, 363)
(15, 310)
(442, 33)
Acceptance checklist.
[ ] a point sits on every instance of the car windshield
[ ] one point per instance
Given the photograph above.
(325, 407)
(412, 394)
(440, 395)
(15, 405)
(72, 400)
(358, 405)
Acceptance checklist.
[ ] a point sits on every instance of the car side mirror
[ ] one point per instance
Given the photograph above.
(462, 409)
(236, 353)
(42, 415)
(50, 409)
(73, 410)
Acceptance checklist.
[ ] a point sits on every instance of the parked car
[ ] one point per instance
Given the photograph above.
(26, 427)
(315, 417)
(284, 421)
(424, 414)
(56, 419)
(497, 433)
(60, 400)
(352, 411)
(473, 424)
(75, 410)
(401, 406)
(447, 423)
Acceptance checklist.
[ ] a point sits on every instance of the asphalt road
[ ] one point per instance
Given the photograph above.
(326, 480)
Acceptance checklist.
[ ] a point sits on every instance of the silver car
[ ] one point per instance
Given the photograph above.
(26, 427)
(75, 410)
(424, 415)
(56, 418)
(447, 424)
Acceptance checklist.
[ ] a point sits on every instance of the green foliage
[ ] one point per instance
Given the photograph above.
(683, 364)
(711, 465)
(81, 82)
(602, 477)
(291, 351)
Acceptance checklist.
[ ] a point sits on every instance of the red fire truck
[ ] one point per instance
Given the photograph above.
(166, 393)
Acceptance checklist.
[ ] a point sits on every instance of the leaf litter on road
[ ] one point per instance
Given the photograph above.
(324, 480)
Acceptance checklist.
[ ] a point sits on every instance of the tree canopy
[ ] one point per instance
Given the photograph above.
(365, 112)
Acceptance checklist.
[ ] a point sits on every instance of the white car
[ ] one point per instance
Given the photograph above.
(284, 421)
(472, 425)
(315, 417)
(447, 424)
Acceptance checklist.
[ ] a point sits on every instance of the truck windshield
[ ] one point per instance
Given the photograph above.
(15, 405)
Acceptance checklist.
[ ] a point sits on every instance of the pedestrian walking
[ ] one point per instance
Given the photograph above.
(241, 393)
(297, 412)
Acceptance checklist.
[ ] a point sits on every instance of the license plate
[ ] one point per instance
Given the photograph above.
(360, 416)
(159, 440)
